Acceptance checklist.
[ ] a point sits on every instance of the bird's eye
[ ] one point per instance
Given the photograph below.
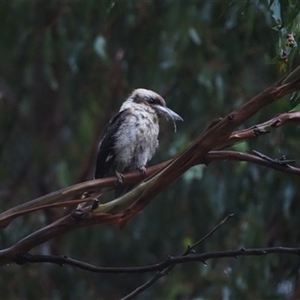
(152, 100)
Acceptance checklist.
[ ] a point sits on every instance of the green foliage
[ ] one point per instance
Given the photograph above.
(65, 69)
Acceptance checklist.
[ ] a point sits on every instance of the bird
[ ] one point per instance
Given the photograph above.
(130, 138)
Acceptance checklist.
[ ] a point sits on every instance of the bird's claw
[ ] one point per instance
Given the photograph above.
(142, 170)
(120, 177)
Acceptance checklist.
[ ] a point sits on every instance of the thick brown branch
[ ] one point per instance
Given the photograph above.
(48, 201)
(122, 209)
(215, 136)
(68, 223)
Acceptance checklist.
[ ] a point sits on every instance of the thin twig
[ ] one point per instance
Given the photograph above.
(211, 232)
(281, 161)
(168, 269)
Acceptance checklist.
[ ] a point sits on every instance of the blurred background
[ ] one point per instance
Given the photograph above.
(66, 67)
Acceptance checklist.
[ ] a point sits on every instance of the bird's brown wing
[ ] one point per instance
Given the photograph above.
(106, 155)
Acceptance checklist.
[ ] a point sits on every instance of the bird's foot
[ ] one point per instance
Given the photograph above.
(143, 170)
(120, 177)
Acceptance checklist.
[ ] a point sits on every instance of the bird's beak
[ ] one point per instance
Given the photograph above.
(167, 113)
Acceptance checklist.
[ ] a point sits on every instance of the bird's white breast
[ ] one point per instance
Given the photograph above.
(137, 138)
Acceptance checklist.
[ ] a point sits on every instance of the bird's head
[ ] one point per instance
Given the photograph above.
(155, 101)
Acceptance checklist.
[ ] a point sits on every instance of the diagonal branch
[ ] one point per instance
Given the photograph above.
(63, 195)
(88, 217)
(120, 210)
(213, 137)
(165, 271)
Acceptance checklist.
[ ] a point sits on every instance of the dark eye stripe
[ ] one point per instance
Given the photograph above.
(147, 98)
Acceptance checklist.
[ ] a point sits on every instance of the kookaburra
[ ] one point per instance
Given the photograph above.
(131, 137)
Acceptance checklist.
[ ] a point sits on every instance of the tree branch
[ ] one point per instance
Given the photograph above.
(120, 210)
(164, 267)
(166, 270)
(50, 200)
(87, 217)
(24, 257)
